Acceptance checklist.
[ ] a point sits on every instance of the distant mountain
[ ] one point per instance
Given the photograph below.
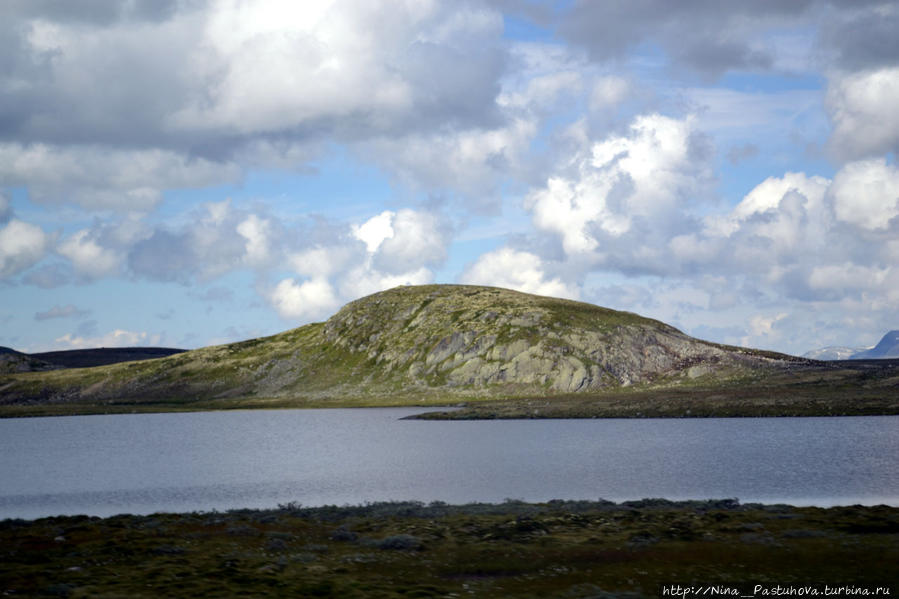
(101, 356)
(16, 361)
(833, 353)
(887, 348)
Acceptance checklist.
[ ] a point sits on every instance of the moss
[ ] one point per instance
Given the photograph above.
(403, 549)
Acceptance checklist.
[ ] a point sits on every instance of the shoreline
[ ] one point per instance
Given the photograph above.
(750, 402)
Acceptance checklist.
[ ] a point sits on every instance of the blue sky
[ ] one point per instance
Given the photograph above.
(197, 172)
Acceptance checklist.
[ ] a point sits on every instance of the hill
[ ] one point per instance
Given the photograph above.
(417, 345)
(15, 361)
(887, 348)
(101, 356)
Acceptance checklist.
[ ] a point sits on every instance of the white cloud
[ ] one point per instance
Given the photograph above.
(387, 250)
(866, 194)
(403, 241)
(21, 246)
(515, 269)
(862, 106)
(116, 338)
(217, 239)
(88, 257)
(608, 92)
(97, 177)
(256, 231)
(472, 161)
(642, 175)
(768, 194)
(764, 326)
(310, 299)
(372, 63)
(418, 239)
(375, 230)
(364, 280)
(206, 90)
(848, 276)
(322, 261)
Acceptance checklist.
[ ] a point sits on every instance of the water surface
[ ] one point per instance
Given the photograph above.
(143, 463)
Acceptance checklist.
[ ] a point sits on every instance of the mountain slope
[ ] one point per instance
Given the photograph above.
(442, 340)
(887, 348)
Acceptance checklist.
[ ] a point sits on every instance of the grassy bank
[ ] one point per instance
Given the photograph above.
(514, 549)
(845, 392)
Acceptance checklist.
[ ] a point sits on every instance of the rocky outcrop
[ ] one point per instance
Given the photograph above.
(461, 336)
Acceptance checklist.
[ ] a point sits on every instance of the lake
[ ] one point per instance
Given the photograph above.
(145, 463)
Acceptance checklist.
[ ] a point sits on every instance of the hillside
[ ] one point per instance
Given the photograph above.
(14, 361)
(417, 345)
(888, 347)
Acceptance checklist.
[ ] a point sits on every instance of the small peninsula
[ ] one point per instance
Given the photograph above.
(494, 352)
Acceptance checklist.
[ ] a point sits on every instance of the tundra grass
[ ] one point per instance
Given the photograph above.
(515, 549)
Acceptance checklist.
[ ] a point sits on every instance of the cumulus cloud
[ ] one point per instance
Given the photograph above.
(866, 194)
(220, 239)
(401, 248)
(641, 177)
(708, 37)
(194, 94)
(21, 246)
(608, 92)
(767, 197)
(96, 177)
(472, 161)
(416, 239)
(256, 231)
(387, 250)
(116, 338)
(712, 38)
(376, 66)
(515, 269)
(199, 76)
(865, 36)
(88, 257)
(309, 299)
(363, 280)
(632, 206)
(862, 106)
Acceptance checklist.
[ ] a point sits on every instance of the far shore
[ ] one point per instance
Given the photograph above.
(751, 401)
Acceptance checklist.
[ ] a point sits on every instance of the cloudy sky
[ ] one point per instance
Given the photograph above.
(189, 172)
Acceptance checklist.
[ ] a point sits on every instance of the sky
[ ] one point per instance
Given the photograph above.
(183, 173)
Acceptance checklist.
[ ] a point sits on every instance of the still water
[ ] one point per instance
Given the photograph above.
(144, 463)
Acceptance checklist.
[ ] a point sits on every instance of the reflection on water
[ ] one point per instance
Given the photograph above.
(144, 463)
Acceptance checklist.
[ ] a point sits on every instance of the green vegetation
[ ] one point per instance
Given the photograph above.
(556, 549)
(449, 344)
